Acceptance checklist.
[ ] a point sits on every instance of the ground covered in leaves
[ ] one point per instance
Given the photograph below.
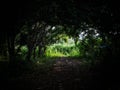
(60, 74)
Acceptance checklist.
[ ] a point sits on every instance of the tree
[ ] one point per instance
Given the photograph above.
(69, 14)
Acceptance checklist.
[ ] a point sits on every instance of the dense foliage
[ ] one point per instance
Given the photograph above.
(34, 20)
(34, 34)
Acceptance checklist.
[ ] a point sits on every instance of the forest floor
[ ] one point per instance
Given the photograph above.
(64, 74)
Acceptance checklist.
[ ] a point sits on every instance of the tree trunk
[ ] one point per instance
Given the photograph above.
(40, 52)
(11, 48)
(29, 53)
(34, 53)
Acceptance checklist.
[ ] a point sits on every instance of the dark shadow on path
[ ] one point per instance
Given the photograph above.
(65, 74)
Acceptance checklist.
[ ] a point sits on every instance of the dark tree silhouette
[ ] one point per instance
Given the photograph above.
(103, 15)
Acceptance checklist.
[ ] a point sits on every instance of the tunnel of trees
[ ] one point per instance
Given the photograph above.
(30, 27)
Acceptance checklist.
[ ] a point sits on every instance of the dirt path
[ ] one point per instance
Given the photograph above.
(66, 74)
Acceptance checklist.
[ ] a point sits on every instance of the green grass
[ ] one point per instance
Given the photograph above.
(56, 50)
(62, 50)
(3, 58)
